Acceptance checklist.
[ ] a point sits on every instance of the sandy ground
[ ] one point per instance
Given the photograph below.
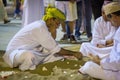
(58, 70)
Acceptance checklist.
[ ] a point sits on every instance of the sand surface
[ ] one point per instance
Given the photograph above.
(58, 70)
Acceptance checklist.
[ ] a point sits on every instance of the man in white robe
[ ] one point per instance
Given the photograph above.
(109, 67)
(35, 44)
(102, 38)
(70, 10)
(33, 10)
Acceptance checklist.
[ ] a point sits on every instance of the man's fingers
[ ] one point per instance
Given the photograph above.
(90, 55)
(97, 57)
(93, 57)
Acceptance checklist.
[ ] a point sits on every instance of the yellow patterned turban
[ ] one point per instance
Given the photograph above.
(111, 7)
(52, 12)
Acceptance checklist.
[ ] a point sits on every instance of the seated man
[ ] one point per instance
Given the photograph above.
(102, 39)
(109, 67)
(34, 44)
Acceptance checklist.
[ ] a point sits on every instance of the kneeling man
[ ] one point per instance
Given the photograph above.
(34, 44)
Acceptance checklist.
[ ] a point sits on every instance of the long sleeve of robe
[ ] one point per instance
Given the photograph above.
(112, 63)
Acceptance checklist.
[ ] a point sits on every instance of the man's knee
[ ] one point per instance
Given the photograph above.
(23, 55)
(83, 48)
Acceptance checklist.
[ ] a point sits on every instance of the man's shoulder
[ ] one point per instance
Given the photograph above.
(33, 27)
(99, 18)
(36, 24)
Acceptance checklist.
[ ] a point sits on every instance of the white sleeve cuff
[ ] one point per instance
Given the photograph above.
(103, 42)
(55, 50)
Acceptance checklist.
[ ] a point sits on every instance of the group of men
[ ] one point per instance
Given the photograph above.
(35, 44)
(107, 67)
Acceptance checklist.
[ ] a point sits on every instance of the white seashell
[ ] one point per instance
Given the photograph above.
(75, 65)
(26, 77)
(71, 75)
(44, 69)
(80, 66)
(64, 72)
(68, 62)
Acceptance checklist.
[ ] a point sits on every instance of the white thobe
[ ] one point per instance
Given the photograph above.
(32, 10)
(33, 43)
(102, 31)
(109, 68)
(68, 8)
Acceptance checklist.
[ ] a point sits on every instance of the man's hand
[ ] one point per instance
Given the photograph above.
(109, 42)
(100, 46)
(95, 59)
(65, 52)
(78, 55)
(109, 45)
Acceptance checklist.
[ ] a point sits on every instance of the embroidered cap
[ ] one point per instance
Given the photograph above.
(111, 7)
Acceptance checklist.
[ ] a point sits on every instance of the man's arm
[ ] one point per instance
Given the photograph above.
(107, 44)
(65, 52)
(97, 37)
(101, 45)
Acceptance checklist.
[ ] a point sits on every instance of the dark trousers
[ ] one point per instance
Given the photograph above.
(96, 8)
(86, 18)
(4, 2)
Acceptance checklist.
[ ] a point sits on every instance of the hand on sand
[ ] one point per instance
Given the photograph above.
(78, 55)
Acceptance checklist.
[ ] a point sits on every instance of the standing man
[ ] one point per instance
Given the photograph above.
(96, 8)
(32, 10)
(84, 12)
(5, 2)
(3, 13)
(68, 7)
